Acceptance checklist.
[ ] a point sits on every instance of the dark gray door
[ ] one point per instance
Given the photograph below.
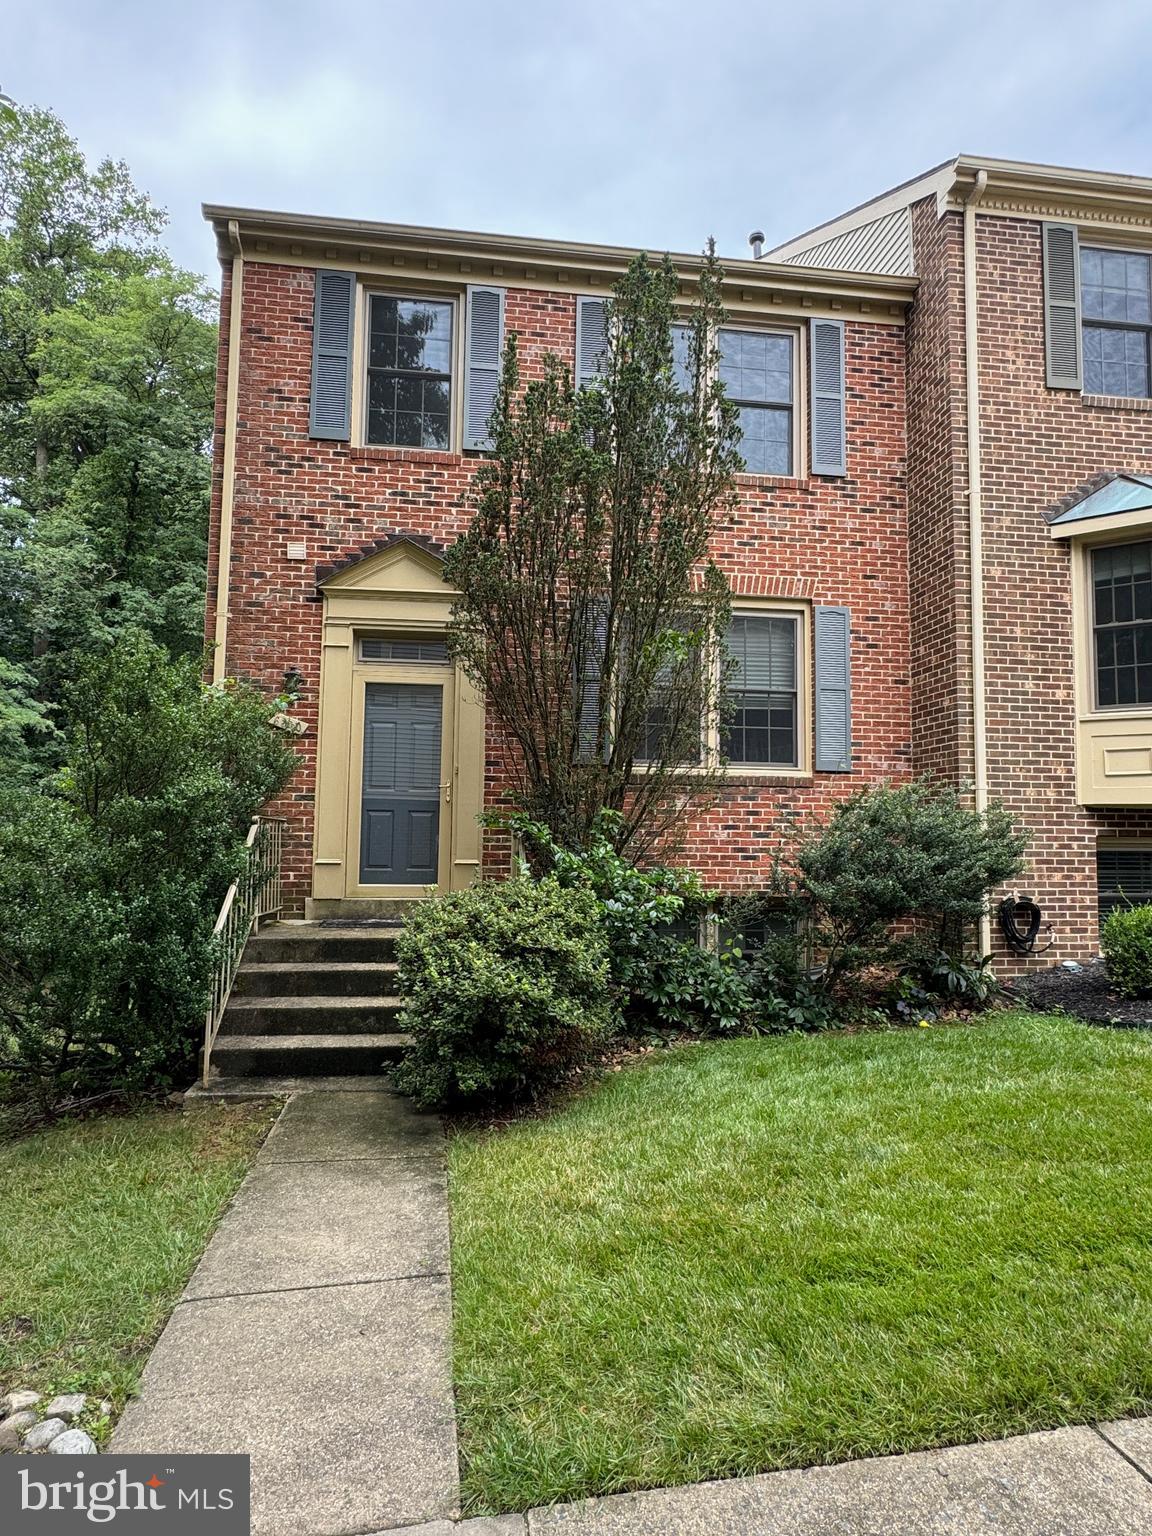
(400, 793)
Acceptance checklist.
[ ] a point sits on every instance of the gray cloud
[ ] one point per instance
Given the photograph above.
(635, 122)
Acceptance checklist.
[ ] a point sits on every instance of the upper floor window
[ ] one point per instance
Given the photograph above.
(409, 372)
(1116, 309)
(1122, 624)
(756, 368)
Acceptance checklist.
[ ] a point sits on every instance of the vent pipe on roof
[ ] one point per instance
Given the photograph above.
(756, 241)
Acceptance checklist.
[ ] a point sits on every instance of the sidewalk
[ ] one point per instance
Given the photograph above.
(316, 1332)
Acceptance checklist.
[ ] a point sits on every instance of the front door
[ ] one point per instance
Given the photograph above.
(400, 792)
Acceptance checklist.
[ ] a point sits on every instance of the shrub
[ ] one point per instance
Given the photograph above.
(664, 979)
(110, 878)
(506, 987)
(914, 856)
(1126, 939)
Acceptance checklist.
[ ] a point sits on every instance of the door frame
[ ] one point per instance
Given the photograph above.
(364, 673)
(399, 590)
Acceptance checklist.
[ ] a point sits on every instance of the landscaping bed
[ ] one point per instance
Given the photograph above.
(776, 1252)
(101, 1223)
(1086, 993)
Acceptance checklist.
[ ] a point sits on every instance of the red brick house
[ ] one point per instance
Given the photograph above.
(933, 387)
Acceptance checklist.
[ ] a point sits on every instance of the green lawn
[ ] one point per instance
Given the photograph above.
(101, 1223)
(777, 1252)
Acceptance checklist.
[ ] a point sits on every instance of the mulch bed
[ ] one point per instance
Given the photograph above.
(1086, 994)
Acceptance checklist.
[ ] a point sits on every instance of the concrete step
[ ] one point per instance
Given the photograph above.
(309, 1015)
(316, 978)
(307, 1055)
(309, 943)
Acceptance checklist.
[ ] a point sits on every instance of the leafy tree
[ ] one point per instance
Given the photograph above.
(107, 355)
(110, 879)
(590, 613)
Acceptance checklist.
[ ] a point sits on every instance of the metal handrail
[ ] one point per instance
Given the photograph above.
(255, 894)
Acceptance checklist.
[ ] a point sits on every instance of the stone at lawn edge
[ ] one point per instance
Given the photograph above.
(12, 1429)
(15, 1401)
(69, 1406)
(42, 1436)
(73, 1442)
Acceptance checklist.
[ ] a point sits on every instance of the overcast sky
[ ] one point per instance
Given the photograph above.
(634, 122)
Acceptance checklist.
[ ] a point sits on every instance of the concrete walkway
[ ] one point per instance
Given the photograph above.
(315, 1334)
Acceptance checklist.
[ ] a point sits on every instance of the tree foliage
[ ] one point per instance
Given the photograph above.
(589, 612)
(110, 877)
(107, 356)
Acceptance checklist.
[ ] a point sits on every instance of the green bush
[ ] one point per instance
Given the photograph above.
(913, 857)
(506, 987)
(1126, 939)
(663, 978)
(111, 877)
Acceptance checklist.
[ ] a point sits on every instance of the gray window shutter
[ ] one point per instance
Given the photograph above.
(591, 340)
(833, 690)
(332, 320)
(827, 406)
(1062, 347)
(593, 680)
(483, 349)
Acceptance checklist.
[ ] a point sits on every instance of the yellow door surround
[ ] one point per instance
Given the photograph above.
(399, 590)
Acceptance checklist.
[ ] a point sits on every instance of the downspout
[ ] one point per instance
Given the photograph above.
(975, 519)
(228, 474)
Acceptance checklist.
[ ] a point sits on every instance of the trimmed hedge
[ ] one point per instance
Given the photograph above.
(506, 987)
(1126, 939)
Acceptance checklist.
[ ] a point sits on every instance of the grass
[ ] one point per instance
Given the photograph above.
(779, 1252)
(101, 1223)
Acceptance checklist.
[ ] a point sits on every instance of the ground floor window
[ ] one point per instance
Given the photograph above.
(1123, 878)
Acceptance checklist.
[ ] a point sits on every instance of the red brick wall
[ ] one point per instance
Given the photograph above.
(1038, 444)
(832, 541)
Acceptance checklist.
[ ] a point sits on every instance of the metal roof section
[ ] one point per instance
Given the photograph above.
(884, 245)
(865, 233)
(1120, 492)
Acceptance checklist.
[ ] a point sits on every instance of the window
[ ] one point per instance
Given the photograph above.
(1116, 306)
(761, 721)
(409, 648)
(409, 372)
(1122, 625)
(756, 368)
(1123, 878)
(665, 731)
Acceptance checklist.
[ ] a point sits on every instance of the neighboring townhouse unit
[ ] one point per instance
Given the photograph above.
(1029, 382)
(357, 366)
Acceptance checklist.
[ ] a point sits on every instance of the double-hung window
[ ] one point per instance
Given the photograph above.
(761, 725)
(409, 371)
(757, 370)
(1122, 624)
(1116, 316)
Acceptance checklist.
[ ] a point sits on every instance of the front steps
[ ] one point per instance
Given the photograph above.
(312, 1000)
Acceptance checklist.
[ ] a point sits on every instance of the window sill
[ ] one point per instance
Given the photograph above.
(763, 778)
(746, 481)
(379, 453)
(1116, 403)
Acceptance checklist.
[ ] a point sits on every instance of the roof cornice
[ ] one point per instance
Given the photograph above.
(1053, 192)
(357, 243)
